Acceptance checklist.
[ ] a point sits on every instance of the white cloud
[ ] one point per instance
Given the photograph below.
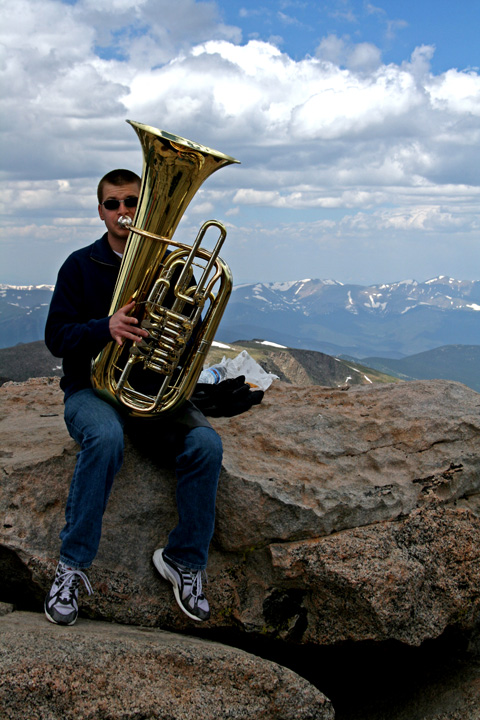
(428, 218)
(456, 90)
(354, 56)
(367, 146)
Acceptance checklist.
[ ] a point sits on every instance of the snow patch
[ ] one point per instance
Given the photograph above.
(267, 342)
(375, 304)
(283, 286)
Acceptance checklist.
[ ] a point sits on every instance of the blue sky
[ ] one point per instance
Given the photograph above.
(357, 125)
(397, 28)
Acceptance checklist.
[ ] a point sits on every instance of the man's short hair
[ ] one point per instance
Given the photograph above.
(116, 177)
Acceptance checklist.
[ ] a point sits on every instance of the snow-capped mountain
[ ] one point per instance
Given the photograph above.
(23, 311)
(307, 296)
(390, 320)
(394, 319)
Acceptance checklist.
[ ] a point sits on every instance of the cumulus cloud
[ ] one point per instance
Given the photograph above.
(337, 131)
(341, 51)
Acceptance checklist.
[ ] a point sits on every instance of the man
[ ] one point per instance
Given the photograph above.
(77, 328)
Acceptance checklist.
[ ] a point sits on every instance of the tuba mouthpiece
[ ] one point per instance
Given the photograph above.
(124, 221)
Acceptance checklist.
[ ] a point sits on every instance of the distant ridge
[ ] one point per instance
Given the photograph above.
(451, 362)
(27, 360)
(298, 367)
(293, 365)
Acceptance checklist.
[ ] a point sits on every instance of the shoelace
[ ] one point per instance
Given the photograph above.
(197, 582)
(192, 581)
(67, 581)
(197, 585)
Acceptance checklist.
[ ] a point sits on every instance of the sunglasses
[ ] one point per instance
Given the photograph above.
(129, 202)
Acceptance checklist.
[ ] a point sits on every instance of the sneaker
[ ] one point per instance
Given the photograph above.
(61, 603)
(187, 586)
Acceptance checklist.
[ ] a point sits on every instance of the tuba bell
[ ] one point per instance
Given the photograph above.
(180, 313)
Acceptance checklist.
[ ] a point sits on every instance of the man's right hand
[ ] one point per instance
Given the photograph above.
(122, 326)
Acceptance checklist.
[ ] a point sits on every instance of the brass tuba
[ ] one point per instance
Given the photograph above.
(153, 267)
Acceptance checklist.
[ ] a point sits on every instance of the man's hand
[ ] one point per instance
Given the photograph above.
(122, 325)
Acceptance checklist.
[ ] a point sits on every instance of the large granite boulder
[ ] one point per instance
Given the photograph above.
(101, 670)
(347, 514)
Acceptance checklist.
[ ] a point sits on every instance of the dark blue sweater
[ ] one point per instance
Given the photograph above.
(77, 325)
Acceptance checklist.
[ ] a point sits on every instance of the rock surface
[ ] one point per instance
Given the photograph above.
(100, 670)
(341, 515)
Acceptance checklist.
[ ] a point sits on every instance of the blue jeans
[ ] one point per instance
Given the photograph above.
(99, 430)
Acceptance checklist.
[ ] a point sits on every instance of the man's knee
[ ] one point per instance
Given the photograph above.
(106, 437)
(209, 440)
(205, 444)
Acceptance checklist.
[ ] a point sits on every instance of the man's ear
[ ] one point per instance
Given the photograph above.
(101, 213)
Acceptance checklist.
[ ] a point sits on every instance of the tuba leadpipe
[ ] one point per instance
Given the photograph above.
(180, 313)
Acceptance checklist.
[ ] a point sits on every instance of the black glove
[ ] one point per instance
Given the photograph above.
(228, 398)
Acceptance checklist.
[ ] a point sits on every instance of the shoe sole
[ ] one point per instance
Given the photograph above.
(164, 571)
(55, 622)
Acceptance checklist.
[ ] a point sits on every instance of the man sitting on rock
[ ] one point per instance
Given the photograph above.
(78, 328)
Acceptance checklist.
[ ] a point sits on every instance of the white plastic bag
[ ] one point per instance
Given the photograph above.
(244, 364)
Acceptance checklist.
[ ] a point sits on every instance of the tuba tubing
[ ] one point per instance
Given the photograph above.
(156, 267)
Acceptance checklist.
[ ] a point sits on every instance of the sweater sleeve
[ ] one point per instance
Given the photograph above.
(69, 331)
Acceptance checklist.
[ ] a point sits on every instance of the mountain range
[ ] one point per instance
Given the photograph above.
(389, 320)
(23, 312)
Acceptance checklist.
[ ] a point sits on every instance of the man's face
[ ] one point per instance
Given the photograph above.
(117, 233)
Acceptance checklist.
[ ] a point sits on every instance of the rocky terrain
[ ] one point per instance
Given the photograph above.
(346, 550)
(110, 671)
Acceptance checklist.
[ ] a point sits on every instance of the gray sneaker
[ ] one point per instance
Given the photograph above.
(187, 586)
(61, 603)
